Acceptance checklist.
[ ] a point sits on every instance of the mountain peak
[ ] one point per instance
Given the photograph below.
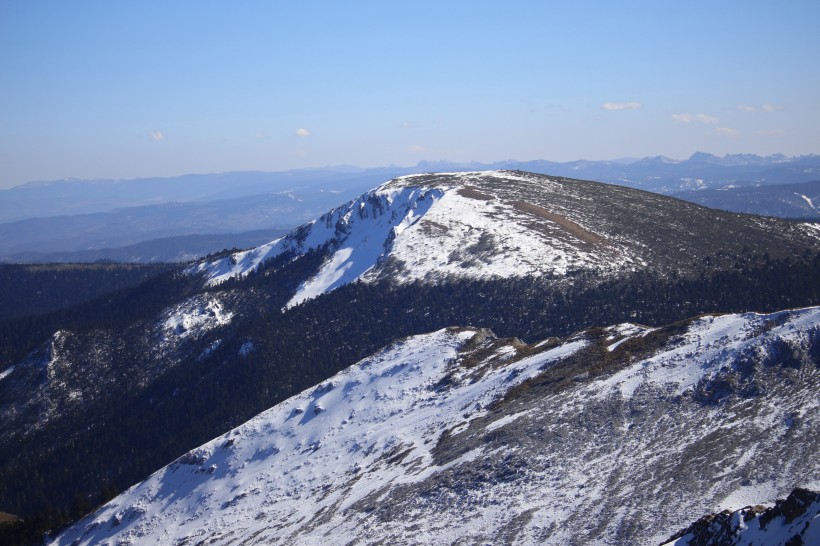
(496, 224)
(703, 157)
(427, 226)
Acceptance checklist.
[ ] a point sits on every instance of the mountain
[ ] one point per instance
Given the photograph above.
(76, 215)
(500, 224)
(95, 397)
(700, 171)
(614, 435)
(784, 200)
(183, 248)
(127, 227)
(790, 521)
(30, 290)
(79, 197)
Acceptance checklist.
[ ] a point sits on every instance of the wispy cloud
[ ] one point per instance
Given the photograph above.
(408, 125)
(416, 148)
(762, 108)
(694, 118)
(261, 135)
(302, 132)
(614, 106)
(157, 135)
(727, 132)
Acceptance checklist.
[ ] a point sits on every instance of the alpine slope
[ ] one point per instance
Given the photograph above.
(618, 435)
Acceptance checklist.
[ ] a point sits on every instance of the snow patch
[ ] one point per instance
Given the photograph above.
(807, 200)
(505, 421)
(194, 317)
(5, 373)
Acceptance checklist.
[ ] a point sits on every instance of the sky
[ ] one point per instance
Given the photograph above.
(102, 89)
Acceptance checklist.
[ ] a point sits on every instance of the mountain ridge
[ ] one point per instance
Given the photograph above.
(202, 358)
(445, 225)
(433, 439)
(197, 196)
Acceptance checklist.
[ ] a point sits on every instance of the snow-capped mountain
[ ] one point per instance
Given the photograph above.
(427, 227)
(195, 352)
(501, 224)
(614, 435)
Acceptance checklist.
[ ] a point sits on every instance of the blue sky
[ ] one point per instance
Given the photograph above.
(103, 89)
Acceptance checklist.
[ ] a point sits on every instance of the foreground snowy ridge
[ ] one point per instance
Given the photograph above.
(616, 435)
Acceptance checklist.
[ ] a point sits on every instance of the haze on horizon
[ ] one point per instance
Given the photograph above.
(123, 90)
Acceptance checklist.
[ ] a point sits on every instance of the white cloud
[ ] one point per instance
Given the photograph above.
(727, 132)
(408, 125)
(762, 108)
(612, 106)
(261, 135)
(416, 148)
(302, 132)
(694, 118)
(157, 135)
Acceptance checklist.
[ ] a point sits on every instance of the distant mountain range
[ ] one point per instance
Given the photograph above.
(182, 248)
(784, 200)
(44, 221)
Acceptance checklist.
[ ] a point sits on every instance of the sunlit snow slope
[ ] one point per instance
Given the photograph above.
(616, 435)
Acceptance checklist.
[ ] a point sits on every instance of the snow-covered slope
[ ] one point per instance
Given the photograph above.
(496, 224)
(793, 521)
(616, 435)
(418, 231)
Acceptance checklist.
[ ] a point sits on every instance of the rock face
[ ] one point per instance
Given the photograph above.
(791, 522)
(615, 435)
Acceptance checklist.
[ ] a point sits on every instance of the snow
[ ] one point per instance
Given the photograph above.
(357, 231)
(750, 531)
(625, 331)
(5, 373)
(711, 337)
(432, 232)
(814, 229)
(318, 464)
(193, 317)
(318, 440)
(504, 421)
(807, 200)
